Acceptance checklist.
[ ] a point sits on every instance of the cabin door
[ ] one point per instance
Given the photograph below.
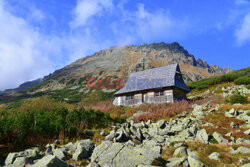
(143, 97)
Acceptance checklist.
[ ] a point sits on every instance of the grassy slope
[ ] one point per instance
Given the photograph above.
(239, 77)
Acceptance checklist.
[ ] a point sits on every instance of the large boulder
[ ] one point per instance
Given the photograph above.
(202, 136)
(172, 162)
(195, 162)
(118, 154)
(242, 141)
(60, 153)
(219, 138)
(71, 147)
(11, 158)
(180, 152)
(83, 150)
(241, 150)
(50, 161)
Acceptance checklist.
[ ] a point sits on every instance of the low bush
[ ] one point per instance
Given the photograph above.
(238, 77)
(243, 80)
(49, 120)
(237, 98)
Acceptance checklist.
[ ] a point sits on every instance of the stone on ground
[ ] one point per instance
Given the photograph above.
(202, 136)
(180, 152)
(219, 138)
(83, 150)
(118, 154)
(214, 156)
(195, 162)
(50, 161)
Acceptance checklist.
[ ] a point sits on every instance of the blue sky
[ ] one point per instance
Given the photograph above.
(38, 37)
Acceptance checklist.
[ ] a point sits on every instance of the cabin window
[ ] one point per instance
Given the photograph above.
(130, 97)
(160, 93)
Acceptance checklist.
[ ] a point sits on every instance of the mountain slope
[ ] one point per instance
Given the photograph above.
(121, 61)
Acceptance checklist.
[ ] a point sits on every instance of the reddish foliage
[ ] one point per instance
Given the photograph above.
(156, 111)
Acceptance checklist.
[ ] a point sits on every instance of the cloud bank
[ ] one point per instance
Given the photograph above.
(21, 58)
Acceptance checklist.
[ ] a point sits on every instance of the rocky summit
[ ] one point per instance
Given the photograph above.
(120, 61)
(147, 144)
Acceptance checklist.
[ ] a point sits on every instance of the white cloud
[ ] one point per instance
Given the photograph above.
(20, 56)
(142, 24)
(86, 9)
(243, 33)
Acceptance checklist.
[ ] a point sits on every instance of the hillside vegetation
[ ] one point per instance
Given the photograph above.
(239, 77)
(219, 104)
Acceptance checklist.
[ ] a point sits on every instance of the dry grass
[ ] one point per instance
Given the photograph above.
(161, 111)
(204, 151)
(167, 152)
(221, 124)
(102, 106)
(227, 107)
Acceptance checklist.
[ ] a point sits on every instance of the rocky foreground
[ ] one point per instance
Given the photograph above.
(143, 144)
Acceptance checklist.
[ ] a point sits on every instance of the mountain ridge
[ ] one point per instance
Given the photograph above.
(120, 61)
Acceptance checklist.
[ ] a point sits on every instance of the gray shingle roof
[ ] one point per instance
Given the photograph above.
(154, 78)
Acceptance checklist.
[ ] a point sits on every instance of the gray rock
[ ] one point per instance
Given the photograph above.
(245, 165)
(180, 152)
(21, 161)
(202, 136)
(214, 156)
(71, 147)
(242, 141)
(219, 138)
(247, 132)
(161, 124)
(50, 161)
(233, 125)
(179, 144)
(118, 154)
(172, 162)
(11, 158)
(195, 162)
(60, 153)
(242, 150)
(110, 136)
(83, 150)
(142, 165)
(93, 164)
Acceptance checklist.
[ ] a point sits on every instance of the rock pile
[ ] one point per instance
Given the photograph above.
(230, 90)
(53, 156)
(139, 144)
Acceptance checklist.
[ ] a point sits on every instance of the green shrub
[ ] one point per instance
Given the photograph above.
(245, 80)
(238, 77)
(49, 122)
(237, 98)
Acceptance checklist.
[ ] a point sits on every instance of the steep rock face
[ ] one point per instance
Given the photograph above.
(121, 61)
